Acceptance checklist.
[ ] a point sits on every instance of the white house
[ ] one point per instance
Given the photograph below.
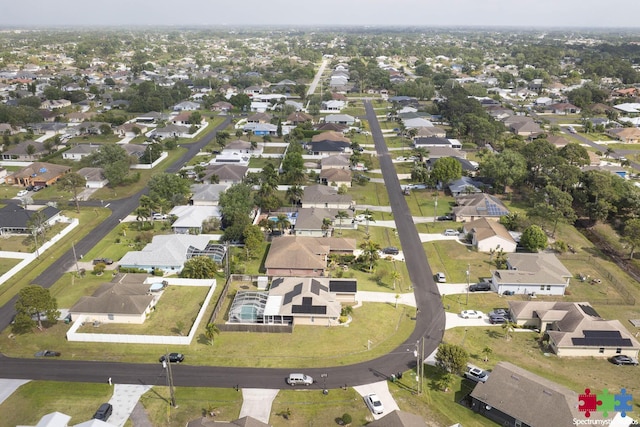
(539, 273)
(489, 235)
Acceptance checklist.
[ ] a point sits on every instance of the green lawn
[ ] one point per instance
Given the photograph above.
(35, 399)
(370, 194)
(7, 264)
(261, 162)
(453, 259)
(191, 403)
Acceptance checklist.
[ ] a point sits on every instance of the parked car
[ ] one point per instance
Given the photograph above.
(500, 312)
(445, 218)
(476, 374)
(173, 358)
(440, 277)
(104, 412)
(158, 216)
(471, 314)
(47, 353)
(22, 193)
(373, 402)
(497, 319)
(482, 286)
(451, 232)
(37, 188)
(390, 250)
(621, 359)
(106, 261)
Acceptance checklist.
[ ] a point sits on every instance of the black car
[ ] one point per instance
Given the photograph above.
(445, 218)
(500, 312)
(104, 412)
(47, 353)
(173, 358)
(390, 250)
(482, 286)
(621, 359)
(106, 261)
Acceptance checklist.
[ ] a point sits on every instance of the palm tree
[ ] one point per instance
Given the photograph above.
(283, 222)
(421, 153)
(508, 327)
(395, 276)
(370, 252)
(486, 352)
(326, 225)
(368, 216)
(210, 331)
(341, 215)
(295, 194)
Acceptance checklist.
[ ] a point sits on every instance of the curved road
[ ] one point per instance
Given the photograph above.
(430, 323)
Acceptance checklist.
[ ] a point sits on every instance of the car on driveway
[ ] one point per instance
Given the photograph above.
(104, 412)
(451, 232)
(482, 286)
(390, 250)
(500, 312)
(173, 358)
(373, 402)
(621, 359)
(22, 193)
(497, 319)
(47, 353)
(445, 218)
(471, 314)
(476, 374)
(105, 261)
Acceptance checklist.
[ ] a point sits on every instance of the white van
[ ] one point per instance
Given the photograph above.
(299, 379)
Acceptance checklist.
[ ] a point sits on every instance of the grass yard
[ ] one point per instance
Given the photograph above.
(35, 399)
(523, 350)
(314, 409)
(7, 264)
(372, 193)
(174, 315)
(270, 149)
(452, 258)
(192, 403)
(261, 162)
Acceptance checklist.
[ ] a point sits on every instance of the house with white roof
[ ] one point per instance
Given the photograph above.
(190, 219)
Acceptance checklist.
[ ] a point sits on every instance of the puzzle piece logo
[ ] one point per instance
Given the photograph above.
(623, 402)
(589, 402)
(606, 403)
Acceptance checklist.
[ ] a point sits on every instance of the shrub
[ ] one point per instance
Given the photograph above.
(346, 418)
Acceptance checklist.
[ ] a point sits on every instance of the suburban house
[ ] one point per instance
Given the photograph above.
(191, 218)
(470, 207)
(167, 252)
(94, 177)
(299, 117)
(25, 151)
(335, 177)
(628, 135)
(222, 106)
(417, 123)
(515, 397)
(126, 299)
(526, 128)
(206, 194)
(294, 301)
(260, 118)
(435, 153)
(563, 108)
(489, 235)
(78, 152)
(429, 131)
(329, 147)
(170, 131)
(304, 256)
(558, 141)
(38, 173)
(240, 148)
(337, 161)
(332, 105)
(14, 219)
(227, 173)
(540, 273)
(322, 196)
(131, 130)
(465, 185)
(186, 106)
(575, 328)
(341, 119)
(184, 119)
(434, 141)
(312, 222)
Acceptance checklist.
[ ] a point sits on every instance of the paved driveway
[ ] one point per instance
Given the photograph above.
(380, 388)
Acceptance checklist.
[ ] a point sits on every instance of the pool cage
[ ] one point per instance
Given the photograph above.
(249, 307)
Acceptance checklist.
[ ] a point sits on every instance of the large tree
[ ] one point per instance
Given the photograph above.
(632, 235)
(533, 238)
(553, 206)
(34, 305)
(199, 267)
(445, 170)
(73, 182)
(169, 189)
(452, 358)
(114, 160)
(506, 168)
(253, 239)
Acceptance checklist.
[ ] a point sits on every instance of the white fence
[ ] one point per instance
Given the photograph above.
(74, 335)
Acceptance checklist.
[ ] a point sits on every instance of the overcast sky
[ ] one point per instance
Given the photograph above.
(539, 13)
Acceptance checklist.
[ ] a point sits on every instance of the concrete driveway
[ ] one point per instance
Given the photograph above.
(256, 403)
(382, 390)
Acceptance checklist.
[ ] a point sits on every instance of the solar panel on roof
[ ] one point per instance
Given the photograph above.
(309, 309)
(288, 297)
(602, 339)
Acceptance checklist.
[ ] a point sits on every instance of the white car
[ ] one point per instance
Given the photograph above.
(471, 314)
(373, 402)
(476, 374)
(22, 193)
(451, 232)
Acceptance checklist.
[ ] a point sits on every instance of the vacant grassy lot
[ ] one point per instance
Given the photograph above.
(312, 408)
(192, 403)
(261, 162)
(37, 398)
(452, 258)
(370, 194)
(7, 264)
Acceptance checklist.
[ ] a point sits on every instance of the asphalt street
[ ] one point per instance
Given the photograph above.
(430, 320)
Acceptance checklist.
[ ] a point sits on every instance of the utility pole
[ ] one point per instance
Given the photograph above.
(419, 353)
(435, 208)
(468, 281)
(167, 363)
(75, 258)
